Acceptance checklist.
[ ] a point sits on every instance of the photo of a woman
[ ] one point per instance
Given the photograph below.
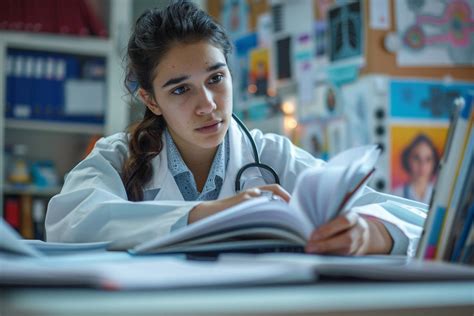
(420, 161)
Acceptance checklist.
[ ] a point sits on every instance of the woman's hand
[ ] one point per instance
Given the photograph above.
(208, 208)
(350, 234)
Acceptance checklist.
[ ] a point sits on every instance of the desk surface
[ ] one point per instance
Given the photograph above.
(427, 298)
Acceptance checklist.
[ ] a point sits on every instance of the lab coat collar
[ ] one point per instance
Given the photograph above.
(240, 155)
(162, 180)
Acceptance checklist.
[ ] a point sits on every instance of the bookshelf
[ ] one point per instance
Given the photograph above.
(65, 142)
(34, 125)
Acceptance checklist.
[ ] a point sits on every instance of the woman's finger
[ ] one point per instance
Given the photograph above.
(345, 243)
(336, 226)
(249, 193)
(277, 190)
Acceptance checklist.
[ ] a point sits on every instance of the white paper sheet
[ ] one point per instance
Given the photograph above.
(379, 14)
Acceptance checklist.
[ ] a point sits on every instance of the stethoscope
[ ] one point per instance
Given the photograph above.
(256, 163)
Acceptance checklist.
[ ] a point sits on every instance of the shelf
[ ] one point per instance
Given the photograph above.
(51, 126)
(57, 43)
(31, 190)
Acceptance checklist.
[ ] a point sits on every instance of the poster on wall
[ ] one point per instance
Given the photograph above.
(415, 150)
(240, 66)
(346, 33)
(234, 17)
(326, 103)
(336, 130)
(358, 108)
(321, 40)
(304, 73)
(435, 33)
(419, 119)
(423, 99)
(259, 71)
(314, 139)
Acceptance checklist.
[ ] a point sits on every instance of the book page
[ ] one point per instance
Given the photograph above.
(258, 212)
(324, 192)
(11, 242)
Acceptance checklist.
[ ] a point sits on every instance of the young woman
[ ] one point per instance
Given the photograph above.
(420, 160)
(180, 163)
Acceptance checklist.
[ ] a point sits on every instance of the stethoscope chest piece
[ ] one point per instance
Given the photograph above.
(257, 164)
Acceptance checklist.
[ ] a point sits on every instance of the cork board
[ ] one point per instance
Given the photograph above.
(379, 60)
(256, 8)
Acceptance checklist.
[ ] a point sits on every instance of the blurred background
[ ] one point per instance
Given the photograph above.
(328, 74)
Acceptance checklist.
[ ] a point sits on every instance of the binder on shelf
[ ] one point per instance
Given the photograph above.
(4, 14)
(70, 19)
(38, 214)
(16, 9)
(48, 16)
(36, 7)
(36, 86)
(39, 74)
(29, 16)
(59, 78)
(26, 217)
(12, 212)
(94, 69)
(84, 90)
(80, 25)
(91, 18)
(47, 89)
(23, 72)
(10, 85)
(63, 17)
(27, 86)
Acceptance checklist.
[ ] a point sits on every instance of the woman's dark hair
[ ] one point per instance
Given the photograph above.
(421, 138)
(155, 32)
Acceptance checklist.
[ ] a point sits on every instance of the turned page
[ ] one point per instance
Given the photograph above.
(324, 192)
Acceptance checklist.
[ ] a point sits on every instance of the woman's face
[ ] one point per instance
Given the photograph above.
(421, 162)
(193, 92)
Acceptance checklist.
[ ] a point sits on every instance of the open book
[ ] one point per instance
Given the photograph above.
(269, 224)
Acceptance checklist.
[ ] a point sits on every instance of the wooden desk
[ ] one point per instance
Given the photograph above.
(341, 298)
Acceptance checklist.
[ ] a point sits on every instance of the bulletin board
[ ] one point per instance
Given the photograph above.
(256, 8)
(379, 60)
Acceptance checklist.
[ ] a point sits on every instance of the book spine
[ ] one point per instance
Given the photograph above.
(38, 214)
(19, 110)
(446, 180)
(47, 88)
(4, 14)
(90, 15)
(467, 252)
(10, 85)
(16, 15)
(463, 237)
(12, 212)
(454, 203)
(37, 91)
(59, 80)
(26, 217)
(429, 220)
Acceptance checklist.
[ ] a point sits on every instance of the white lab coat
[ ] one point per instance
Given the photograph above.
(93, 206)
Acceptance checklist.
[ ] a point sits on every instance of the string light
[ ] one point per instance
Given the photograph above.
(290, 123)
(288, 107)
(252, 88)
